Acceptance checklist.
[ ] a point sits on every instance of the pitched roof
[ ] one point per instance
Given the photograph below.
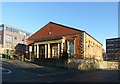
(53, 30)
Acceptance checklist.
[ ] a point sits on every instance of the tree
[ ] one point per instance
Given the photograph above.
(20, 50)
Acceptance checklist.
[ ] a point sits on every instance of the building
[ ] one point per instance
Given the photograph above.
(10, 37)
(113, 48)
(52, 40)
(104, 54)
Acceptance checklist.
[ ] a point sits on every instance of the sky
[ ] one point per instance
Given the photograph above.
(119, 19)
(99, 19)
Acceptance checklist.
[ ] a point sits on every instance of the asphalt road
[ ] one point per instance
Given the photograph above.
(17, 71)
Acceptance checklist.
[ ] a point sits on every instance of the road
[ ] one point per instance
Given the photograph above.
(17, 71)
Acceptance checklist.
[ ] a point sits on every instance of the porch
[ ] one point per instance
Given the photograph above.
(48, 49)
(53, 49)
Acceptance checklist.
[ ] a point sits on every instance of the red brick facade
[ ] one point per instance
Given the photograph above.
(78, 44)
(57, 39)
(52, 30)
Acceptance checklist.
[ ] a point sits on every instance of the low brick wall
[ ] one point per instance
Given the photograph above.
(51, 62)
(79, 64)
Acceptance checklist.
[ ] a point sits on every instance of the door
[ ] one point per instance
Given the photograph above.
(42, 51)
(55, 52)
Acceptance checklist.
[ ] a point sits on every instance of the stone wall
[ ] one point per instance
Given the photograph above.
(79, 64)
(108, 65)
(90, 64)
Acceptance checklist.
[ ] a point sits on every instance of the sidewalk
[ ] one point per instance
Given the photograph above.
(25, 64)
(21, 63)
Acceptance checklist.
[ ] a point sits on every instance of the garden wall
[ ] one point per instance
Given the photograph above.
(90, 64)
(79, 64)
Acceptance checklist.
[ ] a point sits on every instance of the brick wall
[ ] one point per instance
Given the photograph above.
(78, 44)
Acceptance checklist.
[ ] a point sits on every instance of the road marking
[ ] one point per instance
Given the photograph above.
(5, 71)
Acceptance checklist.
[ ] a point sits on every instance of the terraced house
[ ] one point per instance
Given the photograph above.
(52, 40)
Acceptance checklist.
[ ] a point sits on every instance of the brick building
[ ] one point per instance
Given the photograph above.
(10, 37)
(113, 48)
(52, 40)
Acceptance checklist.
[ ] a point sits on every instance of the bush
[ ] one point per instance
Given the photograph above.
(65, 55)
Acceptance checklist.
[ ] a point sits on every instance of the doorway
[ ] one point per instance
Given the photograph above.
(54, 50)
(42, 51)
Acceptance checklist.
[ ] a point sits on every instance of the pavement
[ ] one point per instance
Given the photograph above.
(29, 66)
(21, 63)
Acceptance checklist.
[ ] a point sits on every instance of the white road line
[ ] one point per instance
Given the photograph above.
(8, 71)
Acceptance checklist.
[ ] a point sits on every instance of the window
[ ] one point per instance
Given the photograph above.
(55, 51)
(8, 38)
(27, 34)
(117, 39)
(110, 40)
(71, 44)
(110, 49)
(110, 44)
(15, 31)
(15, 38)
(8, 45)
(22, 33)
(9, 29)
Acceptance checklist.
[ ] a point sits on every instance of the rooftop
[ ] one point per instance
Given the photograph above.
(54, 28)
